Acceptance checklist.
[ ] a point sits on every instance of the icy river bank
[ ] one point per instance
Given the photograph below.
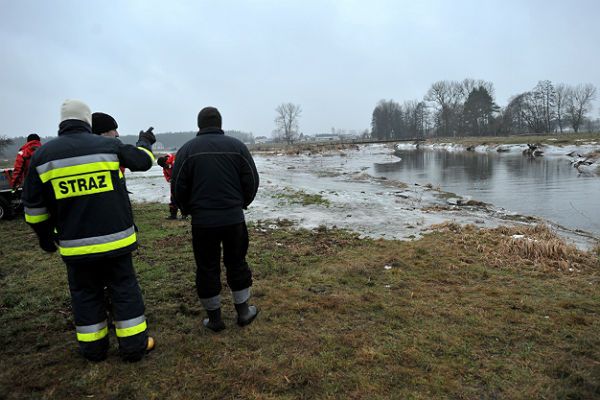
(347, 189)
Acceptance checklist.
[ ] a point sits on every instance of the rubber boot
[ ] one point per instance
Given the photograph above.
(246, 313)
(214, 322)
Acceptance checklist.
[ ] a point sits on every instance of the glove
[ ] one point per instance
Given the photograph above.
(162, 161)
(47, 244)
(148, 136)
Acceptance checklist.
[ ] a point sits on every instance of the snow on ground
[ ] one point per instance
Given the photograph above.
(583, 148)
(354, 197)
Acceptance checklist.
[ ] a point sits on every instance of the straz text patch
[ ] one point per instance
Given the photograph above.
(82, 185)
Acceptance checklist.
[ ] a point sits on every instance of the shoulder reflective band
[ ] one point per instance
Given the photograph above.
(82, 185)
(147, 152)
(36, 215)
(97, 244)
(130, 327)
(77, 165)
(91, 333)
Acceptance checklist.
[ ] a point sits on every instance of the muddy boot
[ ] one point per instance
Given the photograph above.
(214, 322)
(246, 313)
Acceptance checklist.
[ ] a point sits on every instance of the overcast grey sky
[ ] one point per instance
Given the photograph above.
(159, 62)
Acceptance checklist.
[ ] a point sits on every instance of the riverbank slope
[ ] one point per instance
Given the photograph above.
(461, 313)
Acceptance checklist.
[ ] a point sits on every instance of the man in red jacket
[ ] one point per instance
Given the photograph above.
(166, 162)
(23, 159)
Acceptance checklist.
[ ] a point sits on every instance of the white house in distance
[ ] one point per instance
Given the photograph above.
(326, 137)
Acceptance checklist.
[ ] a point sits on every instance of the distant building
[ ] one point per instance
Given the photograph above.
(261, 139)
(326, 137)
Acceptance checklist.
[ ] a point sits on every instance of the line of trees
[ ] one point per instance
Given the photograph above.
(468, 108)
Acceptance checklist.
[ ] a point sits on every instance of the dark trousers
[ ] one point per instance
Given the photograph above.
(207, 251)
(87, 283)
(172, 206)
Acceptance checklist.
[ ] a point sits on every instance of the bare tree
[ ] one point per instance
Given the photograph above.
(444, 95)
(563, 97)
(514, 115)
(580, 103)
(4, 142)
(545, 99)
(287, 121)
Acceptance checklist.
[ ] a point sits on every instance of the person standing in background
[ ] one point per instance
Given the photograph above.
(23, 159)
(166, 162)
(214, 179)
(104, 125)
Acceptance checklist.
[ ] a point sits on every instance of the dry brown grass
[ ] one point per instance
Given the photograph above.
(506, 246)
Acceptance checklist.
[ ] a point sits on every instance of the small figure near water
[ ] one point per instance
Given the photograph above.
(533, 150)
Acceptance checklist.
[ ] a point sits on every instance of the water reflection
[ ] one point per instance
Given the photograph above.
(548, 186)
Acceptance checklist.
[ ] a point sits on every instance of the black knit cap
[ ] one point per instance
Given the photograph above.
(102, 122)
(33, 136)
(209, 117)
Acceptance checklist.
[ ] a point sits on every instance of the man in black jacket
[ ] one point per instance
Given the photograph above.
(75, 199)
(214, 179)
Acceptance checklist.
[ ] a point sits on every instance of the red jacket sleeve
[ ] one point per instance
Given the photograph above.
(18, 171)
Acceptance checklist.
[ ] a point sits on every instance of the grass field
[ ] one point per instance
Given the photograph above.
(461, 313)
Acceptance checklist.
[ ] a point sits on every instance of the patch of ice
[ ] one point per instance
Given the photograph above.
(351, 200)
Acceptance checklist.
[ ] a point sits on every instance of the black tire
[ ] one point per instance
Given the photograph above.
(5, 211)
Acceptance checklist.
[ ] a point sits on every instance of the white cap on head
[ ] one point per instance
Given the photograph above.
(75, 109)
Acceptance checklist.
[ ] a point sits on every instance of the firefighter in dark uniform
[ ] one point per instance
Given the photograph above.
(75, 200)
(214, 178)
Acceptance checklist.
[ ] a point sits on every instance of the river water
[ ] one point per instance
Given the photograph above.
(548, 187)
(369, 190)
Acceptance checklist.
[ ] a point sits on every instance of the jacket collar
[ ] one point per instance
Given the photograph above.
(206, 131)
(73, 126)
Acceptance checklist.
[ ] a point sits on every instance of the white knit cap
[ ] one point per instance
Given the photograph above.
(75, 109)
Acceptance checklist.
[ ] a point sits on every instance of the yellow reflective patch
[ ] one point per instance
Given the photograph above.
(79, 169)
(92, 337)
(36, 219)
(134, 330)
(97, 248)
(147, 152)
(82, 185)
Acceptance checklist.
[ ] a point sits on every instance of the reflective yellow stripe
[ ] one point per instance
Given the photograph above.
(148, 152)
(97, 248)
(36, 219)
(134, 330)
(79, 169)
(92, 337)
